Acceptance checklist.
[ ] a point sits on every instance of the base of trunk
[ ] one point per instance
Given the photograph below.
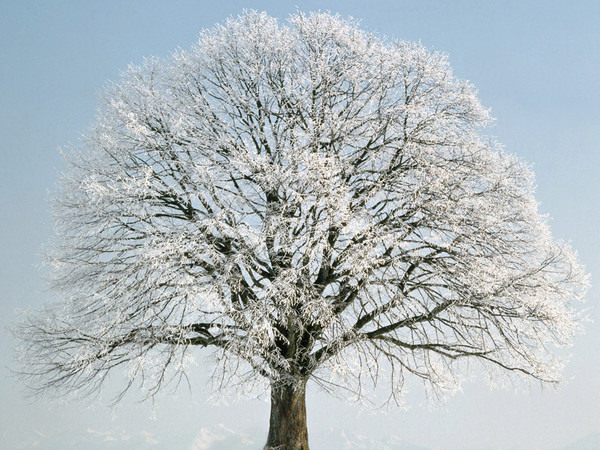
(287, 425)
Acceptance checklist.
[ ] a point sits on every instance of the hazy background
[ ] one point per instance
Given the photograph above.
(536, 64)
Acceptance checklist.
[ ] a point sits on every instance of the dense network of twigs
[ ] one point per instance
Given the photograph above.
(309, 200)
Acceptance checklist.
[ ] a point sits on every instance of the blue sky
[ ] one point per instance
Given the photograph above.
(535, 63)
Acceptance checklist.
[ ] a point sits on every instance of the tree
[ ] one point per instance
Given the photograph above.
(311, 202)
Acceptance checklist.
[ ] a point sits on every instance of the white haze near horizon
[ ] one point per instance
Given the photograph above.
(535, 63)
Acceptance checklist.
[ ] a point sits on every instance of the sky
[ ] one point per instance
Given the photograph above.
(536, 65)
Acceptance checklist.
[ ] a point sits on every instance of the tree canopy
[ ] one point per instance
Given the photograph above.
(312, 202)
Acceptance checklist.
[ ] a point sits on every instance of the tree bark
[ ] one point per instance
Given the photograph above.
(287, 425)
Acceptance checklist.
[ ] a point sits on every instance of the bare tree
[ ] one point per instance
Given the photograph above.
(310, 201)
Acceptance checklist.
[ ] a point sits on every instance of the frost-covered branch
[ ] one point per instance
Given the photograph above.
(307, 200)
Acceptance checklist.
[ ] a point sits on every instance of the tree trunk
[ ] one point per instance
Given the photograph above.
(287, 426)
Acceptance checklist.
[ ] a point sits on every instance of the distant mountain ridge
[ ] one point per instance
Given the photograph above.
(220, 437)
(589, 442)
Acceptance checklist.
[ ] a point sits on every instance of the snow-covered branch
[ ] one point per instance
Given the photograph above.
(300, 197)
